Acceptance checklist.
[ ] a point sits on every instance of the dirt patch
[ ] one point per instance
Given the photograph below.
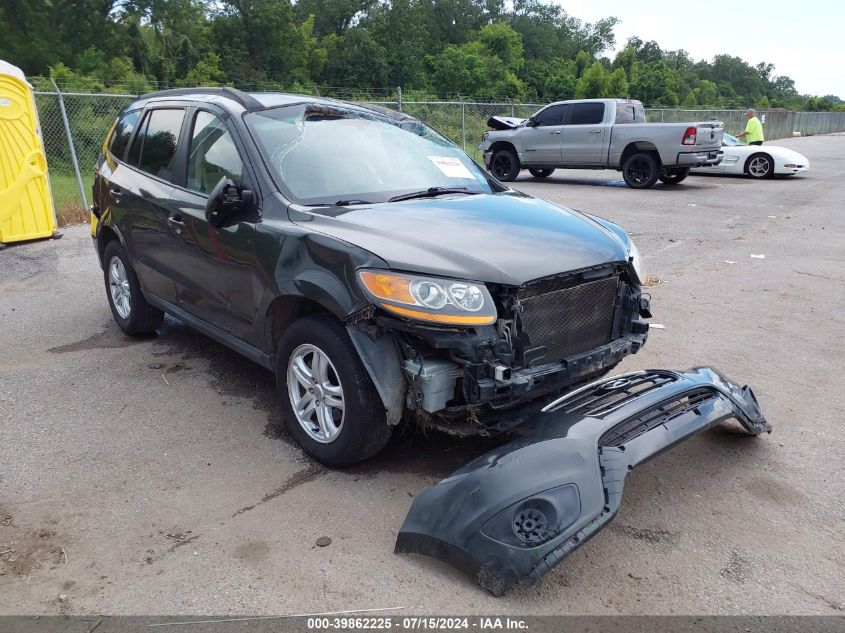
(738, 568)
(252, 552)
(25, 550)
(777, 492)
(648, 535)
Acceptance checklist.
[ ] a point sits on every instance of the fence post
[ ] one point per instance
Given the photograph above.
(70, 145)
(399, 98)
(463, 123)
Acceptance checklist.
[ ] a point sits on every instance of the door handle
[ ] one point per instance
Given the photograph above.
(114, 193)
(595, 131)
(176, 220)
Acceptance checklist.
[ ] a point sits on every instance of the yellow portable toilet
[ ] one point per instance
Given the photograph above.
(26, 202)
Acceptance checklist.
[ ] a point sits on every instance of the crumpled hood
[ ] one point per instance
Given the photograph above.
(506, 238)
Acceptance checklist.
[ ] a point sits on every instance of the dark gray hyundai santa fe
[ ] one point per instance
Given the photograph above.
(375, 267)
(383, 275)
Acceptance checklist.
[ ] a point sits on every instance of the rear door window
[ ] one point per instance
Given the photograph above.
(123, 132)
(154, 147)
(587, 114)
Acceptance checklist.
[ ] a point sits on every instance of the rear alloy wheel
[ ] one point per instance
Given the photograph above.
(640, 171)
(329, 403)
(540, 173)
(128, 306)
(760, 166)
(674, 176)
(504, 165)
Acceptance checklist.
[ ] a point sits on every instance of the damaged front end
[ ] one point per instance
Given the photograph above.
(550, 334)
(514, 513)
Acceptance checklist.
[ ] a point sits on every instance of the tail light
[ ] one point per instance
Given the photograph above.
(689, 136)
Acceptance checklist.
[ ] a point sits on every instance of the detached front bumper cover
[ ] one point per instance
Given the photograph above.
(514, 513)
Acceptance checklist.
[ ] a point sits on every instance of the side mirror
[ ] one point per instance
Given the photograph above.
(531, 122)
(225, 200)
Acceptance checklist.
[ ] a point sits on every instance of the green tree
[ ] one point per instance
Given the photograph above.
(582, 61)
(617, 84)
(503, 42)
(690, 101)
(593, 83)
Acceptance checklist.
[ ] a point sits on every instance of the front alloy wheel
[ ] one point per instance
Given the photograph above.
(315, 392)
(329, 402)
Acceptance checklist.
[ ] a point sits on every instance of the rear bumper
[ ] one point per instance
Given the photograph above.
(516, 512)
(699, 159)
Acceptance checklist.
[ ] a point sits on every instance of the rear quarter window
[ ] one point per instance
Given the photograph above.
(122, 133)
(629, 113)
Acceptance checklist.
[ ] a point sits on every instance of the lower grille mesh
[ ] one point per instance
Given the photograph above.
(661, 414)
(571, 320)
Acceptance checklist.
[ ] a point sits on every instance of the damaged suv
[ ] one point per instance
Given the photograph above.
(372, 265)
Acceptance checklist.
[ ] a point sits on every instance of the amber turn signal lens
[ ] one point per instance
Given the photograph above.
(390, 287)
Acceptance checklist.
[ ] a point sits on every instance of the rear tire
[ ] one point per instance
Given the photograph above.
(760, 166)
(504, 165)
(674, 176)
(640, 170)
(540, 173)
(340, 418)
(128, 306)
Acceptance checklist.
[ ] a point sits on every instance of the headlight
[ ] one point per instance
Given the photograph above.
(431, 299)
(636, 261)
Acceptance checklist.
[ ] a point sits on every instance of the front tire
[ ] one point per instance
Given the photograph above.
(504, 165)
(760, 166)
(640, 170)
(540, 173)
(329, 403)
(674, 176)
(128, 306)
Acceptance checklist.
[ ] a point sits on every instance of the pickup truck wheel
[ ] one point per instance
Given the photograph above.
(504, 165)
(540, 173)
(329, 403)
(640, 171)
(674, 176)
(128, 306)
(759, 166)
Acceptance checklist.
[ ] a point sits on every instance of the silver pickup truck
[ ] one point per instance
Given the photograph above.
(600, 134)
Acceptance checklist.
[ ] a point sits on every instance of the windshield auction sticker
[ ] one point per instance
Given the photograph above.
(451, 167)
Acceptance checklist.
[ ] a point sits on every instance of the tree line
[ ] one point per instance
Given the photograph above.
(527, 50)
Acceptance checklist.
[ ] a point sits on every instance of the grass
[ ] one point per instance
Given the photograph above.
(69, 208)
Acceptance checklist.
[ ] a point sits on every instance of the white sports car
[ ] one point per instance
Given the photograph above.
(756, 161)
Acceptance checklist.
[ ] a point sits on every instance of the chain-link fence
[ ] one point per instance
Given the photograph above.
(90, 116)
(776, 123)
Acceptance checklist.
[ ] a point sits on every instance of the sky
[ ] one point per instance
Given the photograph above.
(804, 40)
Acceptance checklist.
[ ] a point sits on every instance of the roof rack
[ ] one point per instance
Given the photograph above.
(247, 101)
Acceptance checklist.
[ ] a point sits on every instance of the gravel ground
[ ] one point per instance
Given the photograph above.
(152, 476)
